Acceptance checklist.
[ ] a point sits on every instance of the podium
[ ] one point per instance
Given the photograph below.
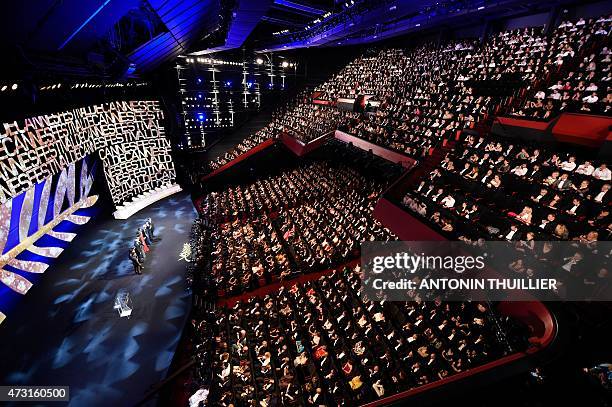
(123, 303)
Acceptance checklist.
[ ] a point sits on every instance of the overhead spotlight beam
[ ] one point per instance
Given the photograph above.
(301, 7)
(282, 22)
(91, 17)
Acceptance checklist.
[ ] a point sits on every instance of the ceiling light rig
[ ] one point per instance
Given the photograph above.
(352, 13)
(7, 87)
(87, 85)
(211, 61)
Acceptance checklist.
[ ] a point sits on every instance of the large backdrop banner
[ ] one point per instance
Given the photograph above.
(128, 135)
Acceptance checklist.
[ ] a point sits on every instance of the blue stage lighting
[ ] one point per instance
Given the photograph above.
(200, 116)
(198, 80)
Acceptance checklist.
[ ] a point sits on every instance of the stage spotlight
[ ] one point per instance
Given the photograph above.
(14, 87)
(285, 64)
(259, 61)
(198, 80)
(200, 116)
(4, 88)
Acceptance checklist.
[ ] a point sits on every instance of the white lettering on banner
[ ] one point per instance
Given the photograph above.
(129, 137)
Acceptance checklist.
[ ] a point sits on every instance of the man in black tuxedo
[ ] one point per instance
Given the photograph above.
(540, 197)
(150, 227)
(534, 175)
(135, 261)
(511, 234)
(602, 197)
(575, 208)
(548, 224)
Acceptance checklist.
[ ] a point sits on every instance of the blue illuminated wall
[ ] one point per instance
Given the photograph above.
(38, 224)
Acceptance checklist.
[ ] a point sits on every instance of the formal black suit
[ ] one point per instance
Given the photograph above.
(517, 235)
(580, 210)
(135, 262)
(605, 200)
(535, 176)
(548, 228)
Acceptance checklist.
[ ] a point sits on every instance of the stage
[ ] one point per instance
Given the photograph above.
(66, 332)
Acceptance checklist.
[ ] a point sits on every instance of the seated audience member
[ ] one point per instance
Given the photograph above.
(602, 173)
(585, 169)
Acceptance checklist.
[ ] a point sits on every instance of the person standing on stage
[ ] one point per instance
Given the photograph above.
(146, 234)
(140, 236)
(151, 227)
(135, 261)
(139, 249)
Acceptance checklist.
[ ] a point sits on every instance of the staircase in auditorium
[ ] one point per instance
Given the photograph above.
(430, 162)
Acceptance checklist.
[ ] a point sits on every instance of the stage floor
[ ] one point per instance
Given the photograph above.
(66, 332)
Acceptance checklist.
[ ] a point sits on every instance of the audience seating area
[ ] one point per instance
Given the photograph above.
(307, 122)
(245, 145)
(493, 189)
(304, 219)
(315, 340)
(321, 343)
(417, 98)
(419, 106)
(578, 68)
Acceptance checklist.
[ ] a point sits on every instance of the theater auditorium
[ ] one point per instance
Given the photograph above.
(198, 199)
